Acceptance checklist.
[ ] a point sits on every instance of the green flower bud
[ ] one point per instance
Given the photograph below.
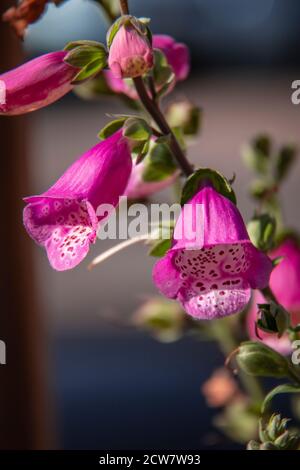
(261, 231)
(255, 358)
(185, 115)
(163, 319)
(273, 318)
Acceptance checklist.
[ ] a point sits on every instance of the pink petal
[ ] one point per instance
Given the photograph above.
(36, 84)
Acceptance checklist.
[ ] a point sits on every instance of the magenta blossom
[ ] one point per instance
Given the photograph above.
(137, 188)
(285, 283)
(177, 55)
(35, 84)
(213, 277)
(63, 219)
(130, 54)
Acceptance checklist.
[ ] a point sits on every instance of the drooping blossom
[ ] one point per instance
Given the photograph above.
(130, 54)
(63, 219)
(178, 58)
(212, 274)
(137, 188)
(36, 83)
(285, 284)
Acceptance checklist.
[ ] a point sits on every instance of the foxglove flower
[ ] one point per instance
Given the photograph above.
(137, 188)
(212, 275)
(35, 84)
(177, 55)
(285, 283)
(130, 54)
(63, 219)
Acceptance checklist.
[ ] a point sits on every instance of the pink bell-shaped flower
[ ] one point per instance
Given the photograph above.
(63, 219)
(212, 274)
(35, 84)
(177, 54)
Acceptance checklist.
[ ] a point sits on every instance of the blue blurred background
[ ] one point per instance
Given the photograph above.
(111, 386)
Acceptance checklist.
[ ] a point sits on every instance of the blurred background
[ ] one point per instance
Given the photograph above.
(77, 376)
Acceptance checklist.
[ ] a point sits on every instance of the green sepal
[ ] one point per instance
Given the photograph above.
(137, 129)
(159, 163)
(219, 182)
(160, 247)
(111, 128)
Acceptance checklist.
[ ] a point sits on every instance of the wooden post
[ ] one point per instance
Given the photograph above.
(24, 422)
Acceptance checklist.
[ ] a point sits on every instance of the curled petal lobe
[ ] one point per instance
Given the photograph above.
(218, 270)
(35, 84)
(63, 219)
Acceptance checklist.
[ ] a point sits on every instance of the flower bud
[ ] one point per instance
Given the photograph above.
(274, 435)
(130, 52)
(261, 231)
(256, 358)
(273, 318)
(185, 115)
(164, 319)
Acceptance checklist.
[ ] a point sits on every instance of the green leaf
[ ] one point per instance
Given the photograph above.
(261, 230)
(159, 164)
(137, 129)
(84, 42)
(87, 72)
(257, 155)
(283, 388)
(160, 247)
(276, 261)
(115, 28)
(81, 56)
(162, 72)
(111, 128)
(285, 160)
(178, 132)
(219, 182)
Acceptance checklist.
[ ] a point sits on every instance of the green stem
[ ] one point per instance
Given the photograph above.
(158, 117)
(153, 109)
(269, 294)
(124, 7)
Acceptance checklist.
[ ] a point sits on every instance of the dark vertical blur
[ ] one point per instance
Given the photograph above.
(23, 416)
